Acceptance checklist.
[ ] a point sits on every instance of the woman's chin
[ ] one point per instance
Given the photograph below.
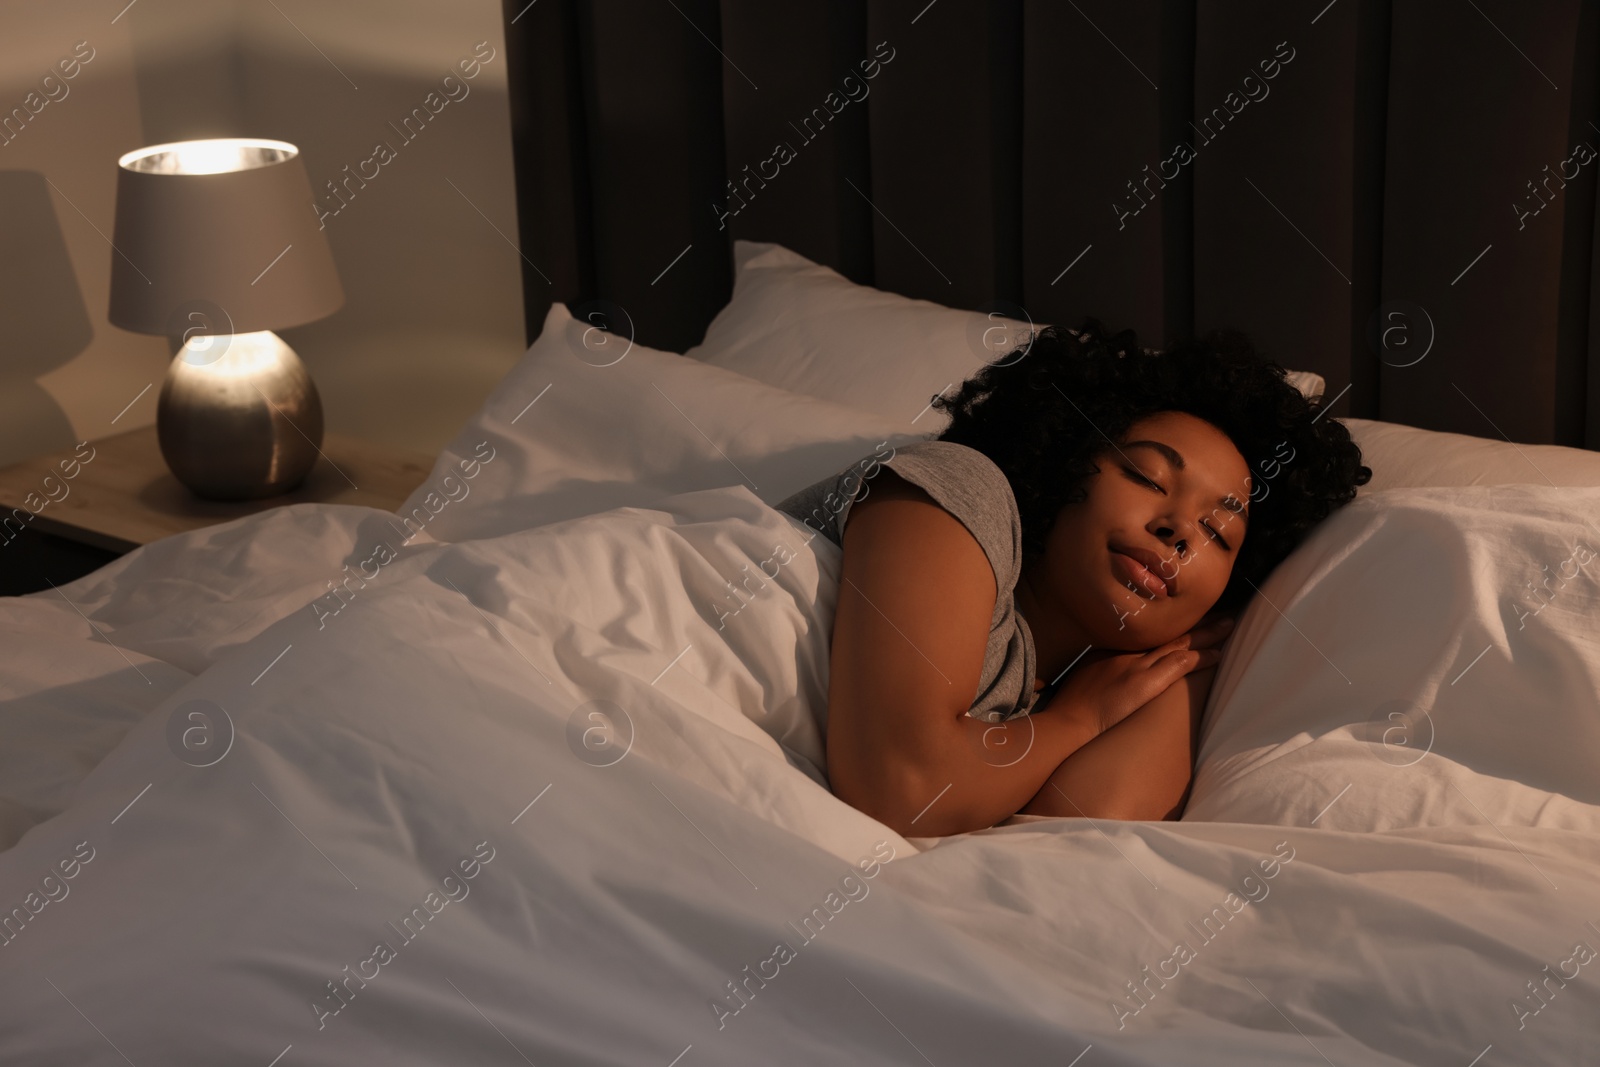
(1137, 632)
(1132, 637)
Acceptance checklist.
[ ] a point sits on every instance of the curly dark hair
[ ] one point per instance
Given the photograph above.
(1046, 411)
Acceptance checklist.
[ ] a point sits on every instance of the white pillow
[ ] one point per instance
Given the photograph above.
(586, 422)
(1312, 385)
(806, 327)
(1409, 456)
(1426, 657)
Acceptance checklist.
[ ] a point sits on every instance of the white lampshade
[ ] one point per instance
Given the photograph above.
(224, 227)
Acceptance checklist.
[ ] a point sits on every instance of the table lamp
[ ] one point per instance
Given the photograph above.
(217, 242)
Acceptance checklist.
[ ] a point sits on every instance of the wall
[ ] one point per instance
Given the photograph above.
(433, 312)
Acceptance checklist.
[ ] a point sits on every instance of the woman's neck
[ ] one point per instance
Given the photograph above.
(1058, 640)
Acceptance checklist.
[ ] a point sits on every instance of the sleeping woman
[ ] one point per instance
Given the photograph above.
(1031, 605)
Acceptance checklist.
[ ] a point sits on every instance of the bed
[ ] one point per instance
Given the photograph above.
(500, 778)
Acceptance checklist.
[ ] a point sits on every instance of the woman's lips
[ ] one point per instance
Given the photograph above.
(1142, 578)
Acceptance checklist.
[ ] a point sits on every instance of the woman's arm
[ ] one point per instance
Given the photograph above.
(1141, 768)
(916, 596)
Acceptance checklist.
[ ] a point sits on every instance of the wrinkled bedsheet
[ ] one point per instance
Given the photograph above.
(548, 798)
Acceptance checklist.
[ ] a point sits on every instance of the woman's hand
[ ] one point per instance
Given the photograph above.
(1108, 686)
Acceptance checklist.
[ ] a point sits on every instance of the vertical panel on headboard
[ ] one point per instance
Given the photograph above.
(946, 125)
(654, 113)
(1578, 328)
(1471, 128)
(545, 71)
(797, 129)
(1285, 216)
(1370, 113)
(1107, 85)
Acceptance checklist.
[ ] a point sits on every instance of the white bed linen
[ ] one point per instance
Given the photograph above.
(440, 714)
(1408, 456)
(587, 422)
(805, 327)
(1427, 657)
(172, 609)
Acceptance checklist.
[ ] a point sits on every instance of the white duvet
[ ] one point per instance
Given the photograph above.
(548, 798)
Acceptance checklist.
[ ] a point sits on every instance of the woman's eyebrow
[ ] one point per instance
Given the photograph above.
(1165, 449)
(1176, 459)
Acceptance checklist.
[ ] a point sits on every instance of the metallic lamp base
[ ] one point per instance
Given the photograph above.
(239, 417)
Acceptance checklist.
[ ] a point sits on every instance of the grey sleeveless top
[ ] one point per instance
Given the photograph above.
(968, 485)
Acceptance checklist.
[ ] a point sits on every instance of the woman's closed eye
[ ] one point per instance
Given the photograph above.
(1135, 476)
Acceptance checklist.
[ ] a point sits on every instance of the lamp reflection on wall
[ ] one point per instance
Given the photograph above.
(216, 243)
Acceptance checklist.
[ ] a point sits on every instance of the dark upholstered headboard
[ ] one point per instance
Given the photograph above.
(1397, 195)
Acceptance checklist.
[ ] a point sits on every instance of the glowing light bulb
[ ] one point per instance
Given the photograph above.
(207, 157)
(216, 155)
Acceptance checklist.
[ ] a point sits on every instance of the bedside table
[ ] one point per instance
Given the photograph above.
(123, 496)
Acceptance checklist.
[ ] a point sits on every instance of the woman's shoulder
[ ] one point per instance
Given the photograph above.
(939, 450)
(969, 485)
(961, 473)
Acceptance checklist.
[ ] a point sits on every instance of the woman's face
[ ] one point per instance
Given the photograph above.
(1187, 523)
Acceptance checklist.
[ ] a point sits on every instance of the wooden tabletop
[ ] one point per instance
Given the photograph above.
(125, 496)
